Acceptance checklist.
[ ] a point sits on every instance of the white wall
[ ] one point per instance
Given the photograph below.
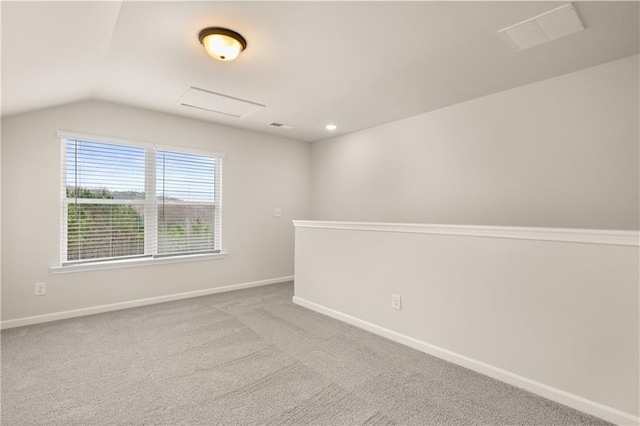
(558, 153)
(561, 314)
(260, 172)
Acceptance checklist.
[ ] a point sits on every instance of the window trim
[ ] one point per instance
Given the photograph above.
(65, 134)
(148, 258)
(132, 262)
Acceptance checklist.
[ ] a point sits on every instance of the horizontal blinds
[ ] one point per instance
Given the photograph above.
(104, 200)
(97, 231)
(104, 171)
(127, 201)
(186, 197)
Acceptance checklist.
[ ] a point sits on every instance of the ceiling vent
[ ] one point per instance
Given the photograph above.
(280, 125)
(218, 103)
(543, 28)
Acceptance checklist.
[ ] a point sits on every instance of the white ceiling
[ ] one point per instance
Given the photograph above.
(356, 64)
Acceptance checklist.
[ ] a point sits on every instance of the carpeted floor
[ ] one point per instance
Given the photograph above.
(244, 357)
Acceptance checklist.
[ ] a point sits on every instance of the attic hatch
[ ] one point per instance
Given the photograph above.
(552, 25)
(218, 103)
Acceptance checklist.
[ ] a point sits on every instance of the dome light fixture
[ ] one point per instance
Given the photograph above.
(331, 127)
(221, 43)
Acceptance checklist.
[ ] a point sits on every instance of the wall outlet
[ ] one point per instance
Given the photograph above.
(41, 289)
(277, 212)
(396, 302)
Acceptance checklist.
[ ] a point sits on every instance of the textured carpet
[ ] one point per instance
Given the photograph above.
(244, 357)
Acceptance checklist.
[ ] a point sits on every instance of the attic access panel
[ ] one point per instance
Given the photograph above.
(218, 103)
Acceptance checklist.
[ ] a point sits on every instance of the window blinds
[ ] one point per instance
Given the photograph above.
(186, 200)
(122, 201)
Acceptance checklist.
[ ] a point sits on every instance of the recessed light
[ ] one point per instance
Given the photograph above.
(331, 127)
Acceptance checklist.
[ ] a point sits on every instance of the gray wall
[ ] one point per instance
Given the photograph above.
(558, 153)
(260, 172)
(563, 314)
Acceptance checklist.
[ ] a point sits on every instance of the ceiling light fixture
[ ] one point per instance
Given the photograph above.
(221, 43)
(331, 127)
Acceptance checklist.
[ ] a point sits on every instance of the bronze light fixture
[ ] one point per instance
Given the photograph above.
(222, 43)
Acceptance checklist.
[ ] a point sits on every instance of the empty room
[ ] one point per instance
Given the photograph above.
(320, 213)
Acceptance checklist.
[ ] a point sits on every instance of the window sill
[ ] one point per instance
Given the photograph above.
(127, 263)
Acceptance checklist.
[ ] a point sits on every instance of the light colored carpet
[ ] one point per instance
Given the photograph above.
(244, 357)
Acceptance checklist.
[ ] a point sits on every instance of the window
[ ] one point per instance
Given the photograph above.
(125, 200)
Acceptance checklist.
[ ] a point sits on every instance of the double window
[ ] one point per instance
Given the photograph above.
(125, 200)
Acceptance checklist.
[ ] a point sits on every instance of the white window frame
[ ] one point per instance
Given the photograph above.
(151, 211)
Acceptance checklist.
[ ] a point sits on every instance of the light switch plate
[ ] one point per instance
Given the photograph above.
(396, 301)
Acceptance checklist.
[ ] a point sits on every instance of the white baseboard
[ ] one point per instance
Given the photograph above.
(574, 401)
(19, 322)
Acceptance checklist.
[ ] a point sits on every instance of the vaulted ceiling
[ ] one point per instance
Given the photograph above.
(356, 64)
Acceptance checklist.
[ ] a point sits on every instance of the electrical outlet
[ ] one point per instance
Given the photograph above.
(396, 302)
(277, 212)
(41, 289)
